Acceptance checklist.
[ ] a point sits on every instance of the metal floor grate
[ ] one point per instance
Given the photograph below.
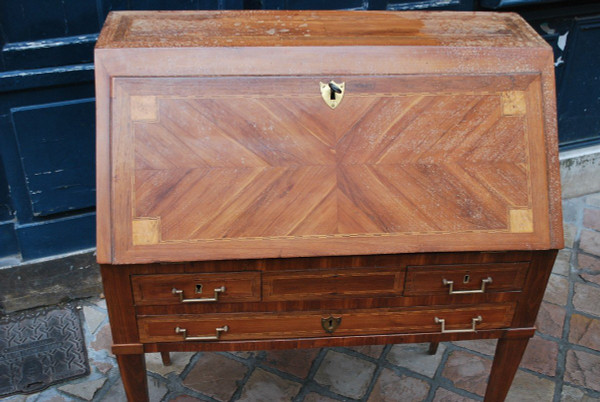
(39, 348)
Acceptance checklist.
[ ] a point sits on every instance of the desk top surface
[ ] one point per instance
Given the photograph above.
(160, 29)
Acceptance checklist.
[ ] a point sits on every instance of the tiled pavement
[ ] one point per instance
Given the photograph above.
(562, 362)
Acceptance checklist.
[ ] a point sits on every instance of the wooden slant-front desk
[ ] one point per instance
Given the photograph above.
(272, 180)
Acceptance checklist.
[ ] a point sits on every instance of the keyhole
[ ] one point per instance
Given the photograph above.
(466, 279)
(331, 323)
(199, 288)
(333, 89)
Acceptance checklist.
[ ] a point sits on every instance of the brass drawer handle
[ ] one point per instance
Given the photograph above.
(451, 290)
(183, 331)
(441, 321)
(208, 299)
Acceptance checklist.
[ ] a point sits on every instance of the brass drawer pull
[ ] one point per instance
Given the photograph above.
(441, 321)
(451, 290)
(183, 331)
(208, 299)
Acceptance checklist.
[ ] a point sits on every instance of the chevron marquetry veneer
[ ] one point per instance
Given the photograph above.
(396, 169)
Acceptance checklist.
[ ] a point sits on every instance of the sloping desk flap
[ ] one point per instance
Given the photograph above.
(259, 167)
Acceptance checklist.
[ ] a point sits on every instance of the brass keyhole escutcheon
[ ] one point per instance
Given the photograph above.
(332, 93)
(331, 323)
(466, 279)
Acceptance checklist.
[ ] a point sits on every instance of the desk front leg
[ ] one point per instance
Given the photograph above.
(123, 324)
(133, 374)
(509, 352)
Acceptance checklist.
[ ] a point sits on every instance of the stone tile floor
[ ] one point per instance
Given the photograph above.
(562, 362)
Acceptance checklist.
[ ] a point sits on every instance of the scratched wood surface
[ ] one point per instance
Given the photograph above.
(310, 28)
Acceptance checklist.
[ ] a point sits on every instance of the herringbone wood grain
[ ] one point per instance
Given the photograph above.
(265, 161)
(292, 167)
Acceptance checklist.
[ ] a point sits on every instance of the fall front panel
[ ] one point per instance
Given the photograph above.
(214, 164)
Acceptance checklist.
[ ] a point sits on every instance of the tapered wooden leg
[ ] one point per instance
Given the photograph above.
(166, 358)
(133, 374)
(433, 347)
(506, 362)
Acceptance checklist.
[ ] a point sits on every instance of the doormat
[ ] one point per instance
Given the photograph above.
(39, 348)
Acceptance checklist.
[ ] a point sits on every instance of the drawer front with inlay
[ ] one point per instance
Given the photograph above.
(465, 278)
(306, 285)
(196, 288)
(248, 326)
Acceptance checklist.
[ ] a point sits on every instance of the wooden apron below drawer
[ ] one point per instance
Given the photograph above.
(248, 326)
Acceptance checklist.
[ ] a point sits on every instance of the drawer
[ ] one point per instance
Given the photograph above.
(331, 284)
(245, 326)
(196, 288)
(464, 278)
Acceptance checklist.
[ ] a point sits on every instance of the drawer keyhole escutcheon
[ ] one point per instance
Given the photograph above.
(182, 299)
(332, 93)
(474, 322)
(451, 290)
(331, 323)
(216, 337)
(466, 279)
